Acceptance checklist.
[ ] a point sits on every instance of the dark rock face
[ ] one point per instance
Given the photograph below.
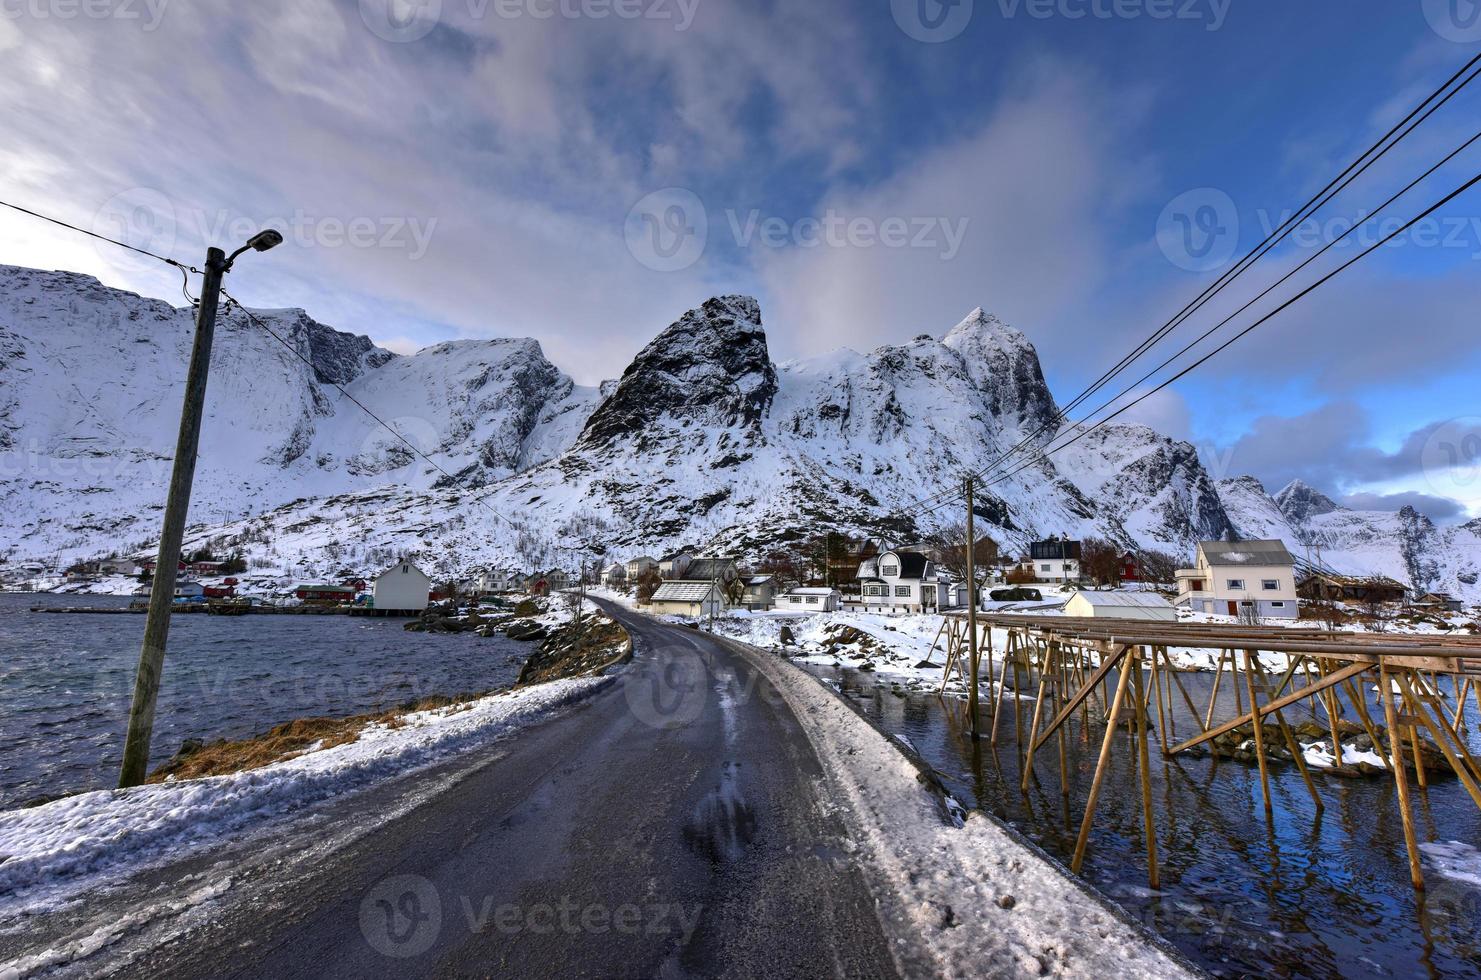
(711, 366)
(1298, 502)
(1006, 368)
(1418, 542)
(338, 357)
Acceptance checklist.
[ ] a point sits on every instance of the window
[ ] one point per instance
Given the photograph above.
(405, 569)
(890, 571)
(903, 591)
(1271, 585)
(1277, 605)
(812, 600)
(1247, 604)
(1046, 568)
(874, 590)
(1195, 584)
(1236, 584)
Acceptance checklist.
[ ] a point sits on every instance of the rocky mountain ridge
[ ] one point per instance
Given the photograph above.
(703, 439)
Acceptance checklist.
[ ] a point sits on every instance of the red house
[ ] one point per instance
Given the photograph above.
(1131, 571)
(220, 591)
(324, 595)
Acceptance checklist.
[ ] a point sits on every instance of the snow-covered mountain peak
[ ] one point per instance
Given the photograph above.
(711, 366)
(1300, 501)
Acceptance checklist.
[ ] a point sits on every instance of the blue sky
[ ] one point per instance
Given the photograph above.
(455, 168)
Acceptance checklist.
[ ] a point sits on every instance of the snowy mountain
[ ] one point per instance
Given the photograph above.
(92, 378)
(1406, 546)
(702, 439)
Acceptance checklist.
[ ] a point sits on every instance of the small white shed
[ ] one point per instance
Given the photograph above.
(402, 588)
(812, 600)
(1121, 605)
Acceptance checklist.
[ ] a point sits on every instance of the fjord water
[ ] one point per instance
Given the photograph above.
(1297, 896)
(66, 681)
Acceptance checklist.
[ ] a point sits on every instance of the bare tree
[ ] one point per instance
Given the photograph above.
(647, 583)
(950, 544)
(1100, 561)
(1159, 567)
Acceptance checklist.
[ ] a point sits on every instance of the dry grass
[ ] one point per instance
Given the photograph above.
(292, 739)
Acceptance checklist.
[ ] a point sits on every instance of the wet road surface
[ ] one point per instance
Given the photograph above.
(672, 826)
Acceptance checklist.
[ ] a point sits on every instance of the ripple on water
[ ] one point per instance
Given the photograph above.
(68, 680)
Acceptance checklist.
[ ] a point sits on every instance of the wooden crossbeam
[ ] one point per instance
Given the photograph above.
(1107, 664)
(1352, 670)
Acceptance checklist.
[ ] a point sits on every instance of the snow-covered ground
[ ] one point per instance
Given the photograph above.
(985, 902)
(59, 852)
(56, 853)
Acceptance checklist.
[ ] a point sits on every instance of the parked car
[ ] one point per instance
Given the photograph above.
(1017, 595)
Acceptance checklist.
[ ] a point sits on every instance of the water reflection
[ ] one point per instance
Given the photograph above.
(1299, 894)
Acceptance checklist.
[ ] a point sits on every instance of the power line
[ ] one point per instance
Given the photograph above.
(1288, 303)
(233, 302)
(105, 238)
(1338, 184)
(1417, 116)
(1268, 290)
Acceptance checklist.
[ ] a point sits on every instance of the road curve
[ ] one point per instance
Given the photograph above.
(672, 826)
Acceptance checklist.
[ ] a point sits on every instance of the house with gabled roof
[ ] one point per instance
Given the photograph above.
(1234, 578)
(899, 581)
(689, 599)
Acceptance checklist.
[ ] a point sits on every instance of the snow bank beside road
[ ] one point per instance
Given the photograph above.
(53, 854)
(975, 898)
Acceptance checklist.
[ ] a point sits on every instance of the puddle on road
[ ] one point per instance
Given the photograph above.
(723, 824)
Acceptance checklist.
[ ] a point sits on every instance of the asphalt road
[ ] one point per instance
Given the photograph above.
(671, 826)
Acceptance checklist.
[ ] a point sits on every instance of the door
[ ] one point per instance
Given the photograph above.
(1233, 608)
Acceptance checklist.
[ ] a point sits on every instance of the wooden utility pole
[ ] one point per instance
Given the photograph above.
(972, 612)
(162, 592)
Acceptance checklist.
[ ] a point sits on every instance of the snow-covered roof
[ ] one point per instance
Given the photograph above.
(814, 591)
(1246, 553)
(682, 592)
(755, 580)
(1148, 600)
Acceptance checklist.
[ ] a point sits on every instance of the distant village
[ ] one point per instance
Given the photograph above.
(1250, 580)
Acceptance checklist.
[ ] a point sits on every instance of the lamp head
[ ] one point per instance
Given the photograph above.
(265, 239)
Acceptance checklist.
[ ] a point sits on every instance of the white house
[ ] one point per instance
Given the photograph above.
(811, 600)
(497, 580)
(614, 575)
(189, 590)
(899, 581)
(1056, 560)
(689, 599)
(638, 567)
(675, 565)
(1235, 577)
(1121, 605)
(402, 588)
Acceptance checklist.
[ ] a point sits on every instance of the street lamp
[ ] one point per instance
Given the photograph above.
(177, 504)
